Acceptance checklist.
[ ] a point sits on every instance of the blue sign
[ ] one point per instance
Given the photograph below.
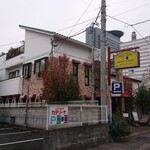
(117, 88)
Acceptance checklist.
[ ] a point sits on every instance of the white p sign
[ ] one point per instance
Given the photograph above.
(117, 88)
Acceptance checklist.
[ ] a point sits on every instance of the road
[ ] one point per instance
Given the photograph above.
(16, 139)
(138, 142)
(19, 139)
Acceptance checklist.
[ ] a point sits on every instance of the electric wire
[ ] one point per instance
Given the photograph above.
(76, 25)
(122, 13)
(131, 25)
(73, 27)
(80, 17)
(93, 23)
(147, 3)
(140, 22)
(90, 20)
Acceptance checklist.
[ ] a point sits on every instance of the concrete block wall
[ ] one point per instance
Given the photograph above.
(76, 138)
(16, 116)
(37, 116)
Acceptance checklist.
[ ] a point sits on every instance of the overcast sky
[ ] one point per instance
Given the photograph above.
(69, 17)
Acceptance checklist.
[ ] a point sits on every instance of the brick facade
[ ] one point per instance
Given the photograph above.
(35, 83)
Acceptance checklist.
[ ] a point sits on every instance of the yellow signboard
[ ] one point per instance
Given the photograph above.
(127, 59)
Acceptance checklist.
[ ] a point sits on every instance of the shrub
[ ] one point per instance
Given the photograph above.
(119, 128)
(142, 98)
(58, 83)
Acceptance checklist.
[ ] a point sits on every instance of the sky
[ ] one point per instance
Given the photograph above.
(70, 17)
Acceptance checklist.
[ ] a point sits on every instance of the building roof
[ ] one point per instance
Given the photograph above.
(136, 80)
(55, 35)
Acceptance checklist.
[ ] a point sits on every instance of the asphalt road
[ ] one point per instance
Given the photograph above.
(138, 142)
(16, 139)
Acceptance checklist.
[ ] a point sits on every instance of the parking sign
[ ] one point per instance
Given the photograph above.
(117, 88)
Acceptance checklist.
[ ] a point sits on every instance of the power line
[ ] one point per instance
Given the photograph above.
(79, 32)
(39, 36)
(130, 10)
(76, 25)
(140, 22)
(131, 25)
(9, 44)
(81, 17)
(146, 3)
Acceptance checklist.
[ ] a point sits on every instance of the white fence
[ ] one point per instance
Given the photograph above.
(32, 104)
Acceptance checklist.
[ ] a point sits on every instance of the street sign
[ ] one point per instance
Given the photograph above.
(117, 88)
(127, 59)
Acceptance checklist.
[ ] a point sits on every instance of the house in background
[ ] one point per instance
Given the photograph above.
(20, 73)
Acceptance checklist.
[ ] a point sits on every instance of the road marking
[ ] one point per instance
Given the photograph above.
(25, 141)
(5, 128)
(15, 133)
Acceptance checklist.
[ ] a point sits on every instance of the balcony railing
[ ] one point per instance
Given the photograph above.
(11, 86)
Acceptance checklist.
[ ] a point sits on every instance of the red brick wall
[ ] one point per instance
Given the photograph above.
(36, 85)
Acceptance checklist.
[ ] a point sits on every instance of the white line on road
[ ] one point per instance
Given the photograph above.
(5, 128)
(15, 133)
(18, 142)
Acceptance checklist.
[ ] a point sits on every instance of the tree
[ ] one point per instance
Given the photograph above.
(142, 98)
(58, 83)
(142, 95)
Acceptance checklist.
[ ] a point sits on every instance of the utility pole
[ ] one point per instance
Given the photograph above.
(103, 52)
(93, 76)
(103, 56)
(26, 108)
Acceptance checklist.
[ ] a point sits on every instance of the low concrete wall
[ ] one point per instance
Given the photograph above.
(16, 116)
(37, 116)
(76, 138)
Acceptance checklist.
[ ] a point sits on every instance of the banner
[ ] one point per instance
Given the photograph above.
(58, 115)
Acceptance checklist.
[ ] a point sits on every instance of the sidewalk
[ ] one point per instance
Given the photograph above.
(138, 140)
(136, 130)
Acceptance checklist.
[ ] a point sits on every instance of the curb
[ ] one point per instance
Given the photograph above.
(138, 133)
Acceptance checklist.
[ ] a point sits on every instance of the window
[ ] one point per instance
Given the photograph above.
(27, 70)
(75, 72)
(86, 75)
(14, 74)
(131, 71)
(40, 65)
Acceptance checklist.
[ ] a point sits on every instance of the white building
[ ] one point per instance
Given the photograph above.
(27, 63)
(20, 67)
(144, 44)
